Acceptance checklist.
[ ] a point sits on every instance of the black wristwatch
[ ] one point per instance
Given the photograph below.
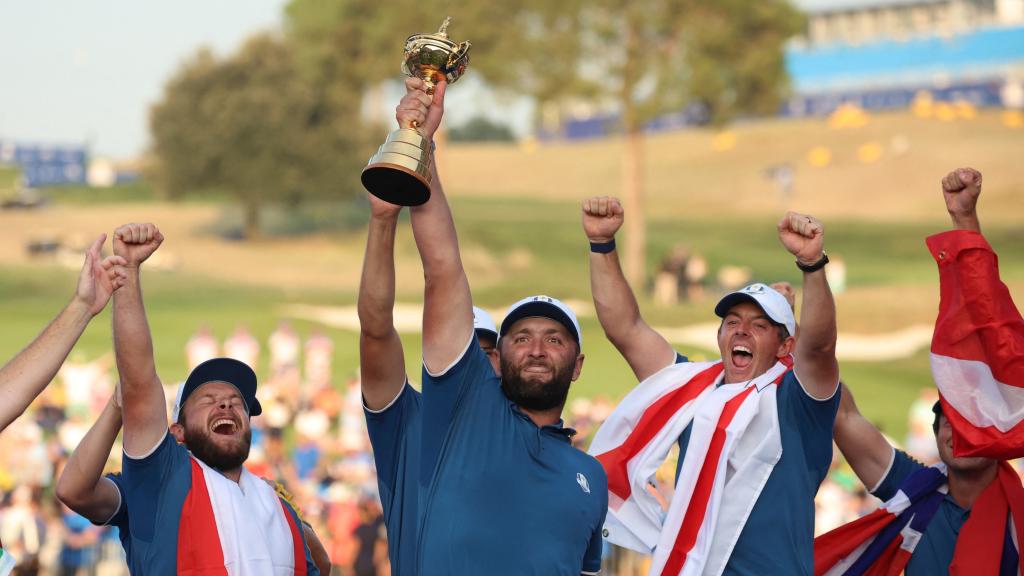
(816, 266)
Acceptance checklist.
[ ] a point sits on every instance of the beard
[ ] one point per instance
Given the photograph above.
(534, 394)
(201, 444)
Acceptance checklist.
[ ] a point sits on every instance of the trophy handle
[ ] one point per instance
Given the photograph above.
(457, 55)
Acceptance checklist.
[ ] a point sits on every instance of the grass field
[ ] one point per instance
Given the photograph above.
(521, 235)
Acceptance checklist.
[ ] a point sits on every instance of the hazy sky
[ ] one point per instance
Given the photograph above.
(87, 71)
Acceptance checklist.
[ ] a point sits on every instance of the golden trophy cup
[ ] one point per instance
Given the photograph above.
(399, 172)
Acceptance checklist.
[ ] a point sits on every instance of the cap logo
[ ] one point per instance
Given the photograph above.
(754, 289)
(543, 299)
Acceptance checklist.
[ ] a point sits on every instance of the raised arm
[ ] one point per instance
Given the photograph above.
(25, 375)
(144, 410)
(644, 349)
(381, 358)
(447, 303)
(863, 446)
(961, 189)
(81, 485)
(815, 353)
(977, 351)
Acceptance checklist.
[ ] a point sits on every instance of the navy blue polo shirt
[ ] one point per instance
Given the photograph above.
(119, 520)
(934, 552)
(778, 537)
(154, 489)
(501, 495)
(395, 437)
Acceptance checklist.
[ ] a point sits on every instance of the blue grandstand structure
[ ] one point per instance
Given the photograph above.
(881, 54)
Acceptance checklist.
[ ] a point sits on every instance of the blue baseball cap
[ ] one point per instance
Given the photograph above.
(543, 307)
(227, 370)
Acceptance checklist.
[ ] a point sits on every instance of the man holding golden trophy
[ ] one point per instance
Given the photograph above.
(477, 473)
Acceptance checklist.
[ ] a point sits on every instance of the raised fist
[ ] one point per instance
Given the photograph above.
(602, 218)
(961, 189)
(803, 236)
(136, 242)
(421, 110)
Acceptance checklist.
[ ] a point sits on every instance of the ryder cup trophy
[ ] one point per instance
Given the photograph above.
(400, 170)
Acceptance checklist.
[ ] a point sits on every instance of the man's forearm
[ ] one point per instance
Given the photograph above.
(816, 364)
(25, 375)
(85, 465)
(616, 305)
(447, 303)
(645, 350)
(144, 411)
(133, 344)
(434, 230)
(377, 284)
(817, 315)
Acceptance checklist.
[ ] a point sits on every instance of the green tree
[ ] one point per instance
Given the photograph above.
(645, 58)
(641, 57)
(481, 129)
(250, 126)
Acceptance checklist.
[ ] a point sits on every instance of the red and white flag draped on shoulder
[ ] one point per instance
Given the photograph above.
(977, 352)
(733, 447)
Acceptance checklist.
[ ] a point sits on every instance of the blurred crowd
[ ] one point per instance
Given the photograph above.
(314, 442)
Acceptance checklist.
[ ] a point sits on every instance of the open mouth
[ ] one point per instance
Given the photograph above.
(224, 427)
(742, 356)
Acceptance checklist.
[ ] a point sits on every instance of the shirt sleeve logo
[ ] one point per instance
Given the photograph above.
(582, 481)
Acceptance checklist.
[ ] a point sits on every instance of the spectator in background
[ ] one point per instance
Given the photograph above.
(23, 528)
(202, 346)
(284, 348)
(319, 350)
(243, 346)
(84, 381)
(80, 539)
(370, 537)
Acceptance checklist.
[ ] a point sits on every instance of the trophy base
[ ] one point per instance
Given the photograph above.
(399, 172)
(396, 184)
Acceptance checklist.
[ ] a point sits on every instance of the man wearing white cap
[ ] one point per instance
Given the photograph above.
(390, 403)
(504, 491)
(754, 429)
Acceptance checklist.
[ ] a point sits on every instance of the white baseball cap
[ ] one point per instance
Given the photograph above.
(483, 324)
(770, 300)
(543, 307)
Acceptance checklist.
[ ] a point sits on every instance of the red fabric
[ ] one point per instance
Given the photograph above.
(836, 544)
(891, 562)
(199, 552)
(977, 321)
(977, 317)
(980, 543)
(695, 512)
(615, 461)
(983, 441)
(297, 541)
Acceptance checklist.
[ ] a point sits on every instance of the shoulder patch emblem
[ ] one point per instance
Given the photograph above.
(582, 481)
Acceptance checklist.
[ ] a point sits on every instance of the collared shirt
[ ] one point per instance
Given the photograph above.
(500, 494)
(778, 537)
(154, 488)
(119, 521)
(934, 552)
(395, 436)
